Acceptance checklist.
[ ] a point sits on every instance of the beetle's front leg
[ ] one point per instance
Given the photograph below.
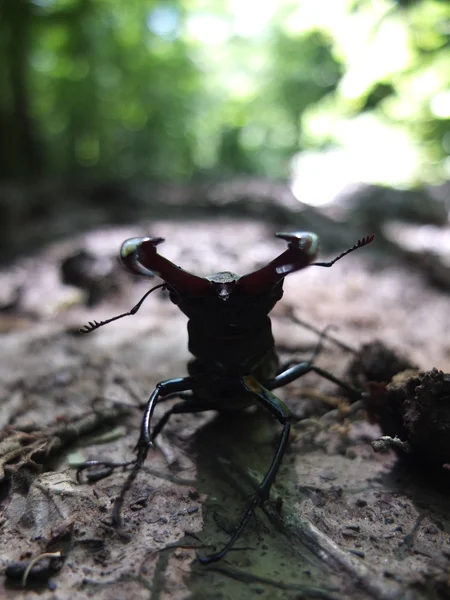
(98, 469)
(274, 405)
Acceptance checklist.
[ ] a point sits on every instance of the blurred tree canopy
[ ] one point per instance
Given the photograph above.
(174, 89)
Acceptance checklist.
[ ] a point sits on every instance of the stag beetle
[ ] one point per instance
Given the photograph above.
(230, 337)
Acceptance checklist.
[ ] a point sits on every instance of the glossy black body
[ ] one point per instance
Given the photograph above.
(230, 338)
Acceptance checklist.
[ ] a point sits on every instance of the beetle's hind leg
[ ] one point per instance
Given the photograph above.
(274, 405)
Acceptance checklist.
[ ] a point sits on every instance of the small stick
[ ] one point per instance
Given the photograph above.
(324, 334)
(35, 560)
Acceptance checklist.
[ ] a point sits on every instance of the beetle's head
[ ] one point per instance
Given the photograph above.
(140, 256)
(223, 284)
(246, 297)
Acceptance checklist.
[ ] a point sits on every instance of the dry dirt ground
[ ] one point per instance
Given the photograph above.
(342, 521)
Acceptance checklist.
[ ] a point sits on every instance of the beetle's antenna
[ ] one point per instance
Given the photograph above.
(359, 244)
(92, 325)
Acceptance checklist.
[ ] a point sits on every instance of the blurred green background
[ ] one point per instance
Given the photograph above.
(321, 93)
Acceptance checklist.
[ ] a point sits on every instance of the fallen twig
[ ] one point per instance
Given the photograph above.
(303, 534)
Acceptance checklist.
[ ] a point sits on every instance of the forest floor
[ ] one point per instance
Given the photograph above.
(342, 520)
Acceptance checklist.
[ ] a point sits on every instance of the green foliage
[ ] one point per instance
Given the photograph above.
(174, 90)
(112, 96)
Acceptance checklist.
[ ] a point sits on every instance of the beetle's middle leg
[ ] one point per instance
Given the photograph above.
(274, 405)
(300, 369)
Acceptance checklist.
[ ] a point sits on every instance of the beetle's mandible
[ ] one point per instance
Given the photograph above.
(234, 353)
